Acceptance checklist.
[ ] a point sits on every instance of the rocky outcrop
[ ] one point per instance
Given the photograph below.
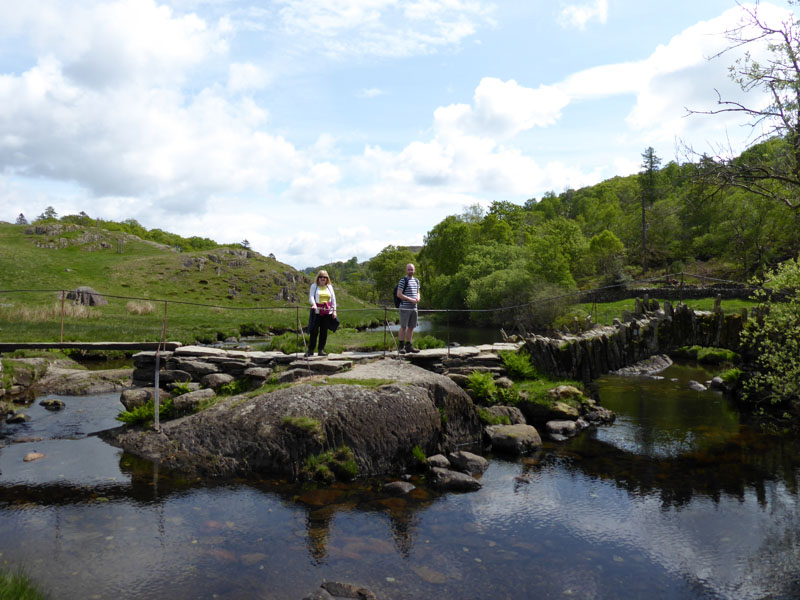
(278, 431)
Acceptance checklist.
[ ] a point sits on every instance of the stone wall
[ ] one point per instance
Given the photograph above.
(647, 332)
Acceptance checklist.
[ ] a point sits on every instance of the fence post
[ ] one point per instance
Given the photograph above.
(680, 291)
(61, 337)
(447, 315)
(297, 331)
(385, 325)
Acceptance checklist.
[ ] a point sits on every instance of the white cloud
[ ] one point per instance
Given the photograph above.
(578, 15)
(502, 109)
(370, 93)
(393, 28)
(246, 77)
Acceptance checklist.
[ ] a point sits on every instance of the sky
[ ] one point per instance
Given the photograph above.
(318, 130)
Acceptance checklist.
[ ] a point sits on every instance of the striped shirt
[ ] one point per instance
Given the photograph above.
(412, 290)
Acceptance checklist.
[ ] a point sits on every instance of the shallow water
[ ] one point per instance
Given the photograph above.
(675, 500)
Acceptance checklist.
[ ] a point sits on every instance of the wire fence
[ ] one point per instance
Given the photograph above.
(181, 311)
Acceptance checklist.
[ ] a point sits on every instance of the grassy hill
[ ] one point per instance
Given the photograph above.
(210, 294)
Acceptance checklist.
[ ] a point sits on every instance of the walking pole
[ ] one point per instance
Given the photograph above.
(156, 402)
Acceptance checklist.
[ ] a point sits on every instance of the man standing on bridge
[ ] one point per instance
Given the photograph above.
(408, 293)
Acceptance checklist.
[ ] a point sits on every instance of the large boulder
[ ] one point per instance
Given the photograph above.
(276, 432)
(86, 296)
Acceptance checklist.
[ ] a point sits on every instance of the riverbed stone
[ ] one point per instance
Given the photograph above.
(52, 403)
(562, 428)
(514, 439)
(438, 460)
(468, 462)
(18, 417)
(339, 589)
(399, 488)
(454, 481)
(697, 386)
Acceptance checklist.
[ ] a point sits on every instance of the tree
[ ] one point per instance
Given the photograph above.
(388, 267)
(21, 220)
(48, 214)
(774, 336)
(648, 185)
(245, 244)
(776, 175)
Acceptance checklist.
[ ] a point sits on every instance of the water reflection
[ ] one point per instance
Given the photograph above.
(676, 500)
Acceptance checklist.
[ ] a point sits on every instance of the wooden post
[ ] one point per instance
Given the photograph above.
(61, 337)
(385, 326)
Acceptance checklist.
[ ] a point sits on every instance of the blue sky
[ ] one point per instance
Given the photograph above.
(319, 130)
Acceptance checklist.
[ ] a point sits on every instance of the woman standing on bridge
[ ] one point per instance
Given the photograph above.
(323, 312)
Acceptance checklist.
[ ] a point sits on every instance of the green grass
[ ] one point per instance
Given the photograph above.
(490, 419)
(604, 313)
(245, 294)
(708, 356)
(303, 423)
(333, 464)
(17, 586)
(537, 389)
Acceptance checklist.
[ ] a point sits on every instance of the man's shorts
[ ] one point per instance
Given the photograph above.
(408, 318)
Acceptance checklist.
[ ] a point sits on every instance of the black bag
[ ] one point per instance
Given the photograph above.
(397, 300)
(333, 324)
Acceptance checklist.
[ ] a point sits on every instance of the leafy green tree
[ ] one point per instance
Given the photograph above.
(446, 246)
(606, 251)
(21, 220)
(49, 214)
(774, 338)
(387, 267)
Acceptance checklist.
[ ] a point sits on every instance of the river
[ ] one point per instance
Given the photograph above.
(676, 500)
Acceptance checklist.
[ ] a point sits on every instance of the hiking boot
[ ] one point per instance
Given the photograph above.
(309, 353)
(410, 348)
(402, 349)
(321, 353)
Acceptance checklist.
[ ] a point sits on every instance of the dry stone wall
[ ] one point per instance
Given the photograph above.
(649, 331)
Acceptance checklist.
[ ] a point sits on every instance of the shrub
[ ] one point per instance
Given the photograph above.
(518, 364)
(232, 388)
(482, 386)
(731, 376)
(428, 341)
(145, 413)
(179, 389)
